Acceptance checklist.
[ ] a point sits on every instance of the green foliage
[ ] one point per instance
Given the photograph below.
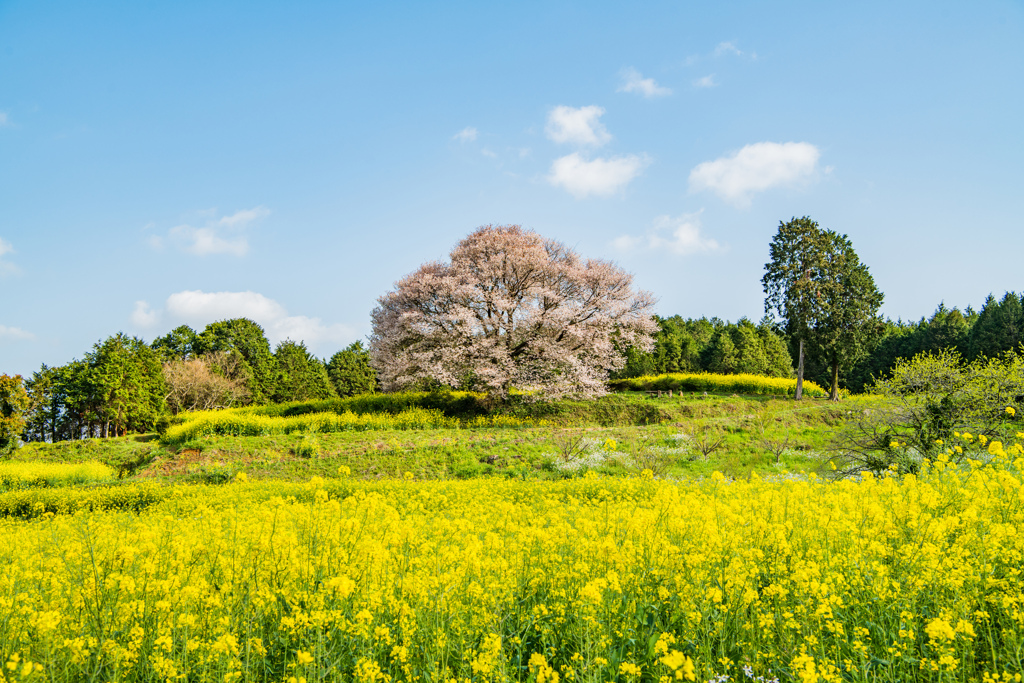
(126, 380)
(710, 345)
(350, 371)
(14, 402)
(180, 343)
(929, 399)
(945, 329)
(818, 290)
(118, 388)
(300, 375)
(999, 327)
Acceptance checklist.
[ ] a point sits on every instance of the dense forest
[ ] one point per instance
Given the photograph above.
(125, 385)
(710, 345)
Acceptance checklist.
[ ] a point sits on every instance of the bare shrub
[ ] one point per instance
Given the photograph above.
(214, 380)
(707, 438)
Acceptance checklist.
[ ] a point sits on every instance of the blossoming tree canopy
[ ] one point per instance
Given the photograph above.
(510, 310)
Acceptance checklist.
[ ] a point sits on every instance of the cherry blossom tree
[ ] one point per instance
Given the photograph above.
(510, 310)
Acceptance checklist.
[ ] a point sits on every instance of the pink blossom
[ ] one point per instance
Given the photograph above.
(510, 309)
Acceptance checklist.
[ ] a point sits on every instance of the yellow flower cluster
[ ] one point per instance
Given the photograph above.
(18, 474)
(717, 383)
(237, 423)
(243, 422)
(638, 579)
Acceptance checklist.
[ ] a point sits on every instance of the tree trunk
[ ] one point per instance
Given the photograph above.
(833, 394)
(800, 373)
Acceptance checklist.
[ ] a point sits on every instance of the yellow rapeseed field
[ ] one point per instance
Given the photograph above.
(18, 474)
(594, 579)
(244, 422)
(711, 382)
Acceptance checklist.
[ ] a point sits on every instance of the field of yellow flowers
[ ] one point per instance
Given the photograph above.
(592, 579)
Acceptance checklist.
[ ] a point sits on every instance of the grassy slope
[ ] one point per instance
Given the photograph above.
(635, 422)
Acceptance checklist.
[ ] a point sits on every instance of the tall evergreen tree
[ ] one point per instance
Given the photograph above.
(350, 372)
(999, 328)
(824, 297)
(301, 376)
(181, 343)
(127, 379)
(13, 405)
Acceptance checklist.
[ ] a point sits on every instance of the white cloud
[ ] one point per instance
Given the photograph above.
(680, 235)
(582, 177)
(6, 267)
(706, 82)
(578, 126)
(224, 235)
(3, 118)
(755, 168)
(727, 48)
(633, 81)
(206, 241)
(467, 134)
(683, 235)
(15, 333)
(144, 315)
(212, 306)
(198, 308)
(626, 242)
(243, 217)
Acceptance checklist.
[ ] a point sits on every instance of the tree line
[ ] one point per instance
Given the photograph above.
(125, 385)
(996, 329)
(711, 345)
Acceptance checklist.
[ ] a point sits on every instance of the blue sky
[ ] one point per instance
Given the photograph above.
(183, 162)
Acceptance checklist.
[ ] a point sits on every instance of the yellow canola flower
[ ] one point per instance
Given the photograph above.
(940, 630)
(1010, 411)
(463, 580)
(629, 669)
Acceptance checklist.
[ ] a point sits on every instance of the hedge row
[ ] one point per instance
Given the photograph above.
(718, 384)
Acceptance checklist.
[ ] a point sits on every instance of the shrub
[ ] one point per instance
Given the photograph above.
(929, 400)
(309, 447)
